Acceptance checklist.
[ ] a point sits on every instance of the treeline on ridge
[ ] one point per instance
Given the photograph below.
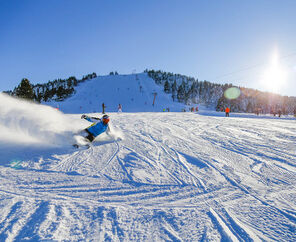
(57, 90)
(192, 91)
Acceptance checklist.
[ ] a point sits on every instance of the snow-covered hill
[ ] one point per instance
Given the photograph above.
(169, 177)
(134, 92)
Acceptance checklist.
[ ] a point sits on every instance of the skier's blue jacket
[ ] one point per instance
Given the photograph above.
(97, 127)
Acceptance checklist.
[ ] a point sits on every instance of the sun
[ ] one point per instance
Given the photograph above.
(275, 76)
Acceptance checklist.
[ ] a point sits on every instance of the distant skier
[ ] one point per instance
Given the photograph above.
(119, 109)
(99, 126)
(227, 111)
(257, 111)
(103, 108)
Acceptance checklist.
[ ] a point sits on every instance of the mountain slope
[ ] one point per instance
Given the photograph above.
(134, 92)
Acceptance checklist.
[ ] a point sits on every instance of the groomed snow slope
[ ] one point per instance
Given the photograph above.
(134, 92)
(171, 176)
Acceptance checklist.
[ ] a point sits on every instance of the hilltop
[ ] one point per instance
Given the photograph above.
(134, 92)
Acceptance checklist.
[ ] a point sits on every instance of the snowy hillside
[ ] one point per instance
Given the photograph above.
(134, 92)
(157, 177)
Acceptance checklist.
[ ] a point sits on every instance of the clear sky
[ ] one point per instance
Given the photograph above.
(248, 43)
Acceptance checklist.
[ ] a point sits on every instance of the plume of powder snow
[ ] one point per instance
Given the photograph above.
(111, 135)
(30, 123)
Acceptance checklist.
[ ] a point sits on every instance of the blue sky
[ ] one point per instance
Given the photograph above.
(220, 41)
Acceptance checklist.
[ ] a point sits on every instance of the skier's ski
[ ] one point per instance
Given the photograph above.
(77, 146)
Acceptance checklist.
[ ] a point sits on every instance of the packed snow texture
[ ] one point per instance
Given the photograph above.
(173, 176)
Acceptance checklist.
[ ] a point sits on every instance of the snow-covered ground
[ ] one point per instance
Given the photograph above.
(170, 176)
(134, 92)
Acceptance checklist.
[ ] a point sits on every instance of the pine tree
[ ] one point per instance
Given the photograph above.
(181, 94)
(60, 92)
(167, 88)
(25, 90)
(174, 90)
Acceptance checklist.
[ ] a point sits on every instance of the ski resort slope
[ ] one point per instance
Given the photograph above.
(135, 92)
(158, 177)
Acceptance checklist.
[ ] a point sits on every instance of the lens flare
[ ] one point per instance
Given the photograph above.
(232, 93)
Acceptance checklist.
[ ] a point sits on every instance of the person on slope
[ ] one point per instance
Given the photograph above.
(119, 108)
(99, 126)
(227, 111)
(103, 108)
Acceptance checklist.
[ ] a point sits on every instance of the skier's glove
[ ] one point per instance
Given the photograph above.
(83, 116)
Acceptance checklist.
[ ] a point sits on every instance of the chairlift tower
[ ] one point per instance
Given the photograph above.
(155, 94)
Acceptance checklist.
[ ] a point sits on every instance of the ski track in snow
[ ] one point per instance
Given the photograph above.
(174, 177)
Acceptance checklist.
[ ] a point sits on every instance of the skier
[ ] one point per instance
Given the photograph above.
(257, 111)
(227, 110)
(103, 108)
(99, 126)
(119, 108)
(272, 112)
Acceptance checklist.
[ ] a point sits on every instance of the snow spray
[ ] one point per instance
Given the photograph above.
(113, 135)
(30, 123)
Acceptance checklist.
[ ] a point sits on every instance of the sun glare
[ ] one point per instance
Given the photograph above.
(275, 76)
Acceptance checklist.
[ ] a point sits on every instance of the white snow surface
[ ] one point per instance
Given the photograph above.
(159, 176)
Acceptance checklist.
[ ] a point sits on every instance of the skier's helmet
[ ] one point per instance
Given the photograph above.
(106, 119)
